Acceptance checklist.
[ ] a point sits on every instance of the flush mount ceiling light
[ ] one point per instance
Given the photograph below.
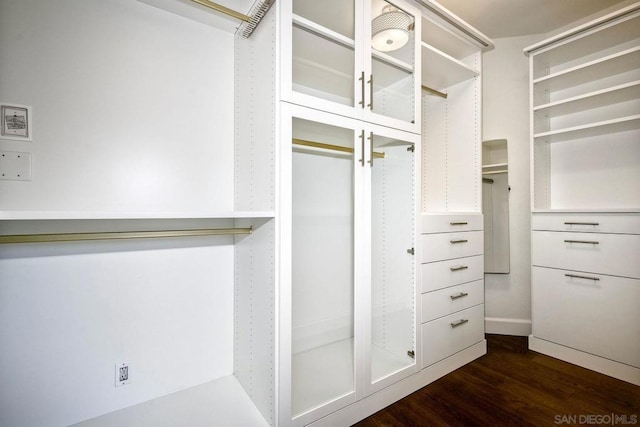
(390, 30)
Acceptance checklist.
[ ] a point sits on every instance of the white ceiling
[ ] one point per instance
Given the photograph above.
(510, 18)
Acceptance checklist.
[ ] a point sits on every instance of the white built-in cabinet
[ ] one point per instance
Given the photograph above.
(585, 150)
(362, 279)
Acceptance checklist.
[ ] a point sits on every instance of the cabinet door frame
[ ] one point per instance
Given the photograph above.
(369, 386)
(362, 67)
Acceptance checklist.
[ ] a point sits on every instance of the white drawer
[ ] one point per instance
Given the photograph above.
(625, 223)
(600, 317)
(445, 223)
(441, 274)
(449, 300)
(615, 254)
(448, 335)
(441, 246)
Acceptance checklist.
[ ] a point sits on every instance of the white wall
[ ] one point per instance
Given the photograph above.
(133, 111)
(505, 110)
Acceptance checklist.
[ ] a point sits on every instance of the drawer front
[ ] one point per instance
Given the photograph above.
(615, 254)
(450, 300)
(451, 222)
(442, 274)
(587, 223)
(442, 246)
(448, 335)
(600, 317)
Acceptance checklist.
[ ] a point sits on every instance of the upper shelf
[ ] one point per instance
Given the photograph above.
(440, 70)
(622, 124)
(608, 96)
(129, 215)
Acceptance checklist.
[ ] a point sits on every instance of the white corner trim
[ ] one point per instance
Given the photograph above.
(507, 326)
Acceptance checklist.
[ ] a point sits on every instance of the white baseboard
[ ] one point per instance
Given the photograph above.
(614, 369)
(506, 326)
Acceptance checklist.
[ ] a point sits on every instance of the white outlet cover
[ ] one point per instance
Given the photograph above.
(123, 374)
(15, 166)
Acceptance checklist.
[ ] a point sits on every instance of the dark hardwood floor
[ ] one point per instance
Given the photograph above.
(513, 386)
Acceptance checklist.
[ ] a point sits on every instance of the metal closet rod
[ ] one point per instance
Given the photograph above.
(332, 147)
(119, 235)
(434, 92)
(223, 9)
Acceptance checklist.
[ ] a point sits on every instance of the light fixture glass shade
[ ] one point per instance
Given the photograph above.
(390, 30)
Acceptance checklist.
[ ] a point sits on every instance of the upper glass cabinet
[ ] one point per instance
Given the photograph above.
(357, 58)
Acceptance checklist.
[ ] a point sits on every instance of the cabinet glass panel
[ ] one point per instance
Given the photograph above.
(323, 49)
(323, 265)
(392, 61)
(392, 264)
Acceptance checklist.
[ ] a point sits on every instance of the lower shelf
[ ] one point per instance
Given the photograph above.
(220, 402)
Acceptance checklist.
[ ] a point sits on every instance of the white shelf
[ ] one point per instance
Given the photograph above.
(445, 40)
(587, 210)
(593, 129)
(598, 98)
(617, 63)
(222, 402)
(309, 25)
(132, 215)
(440, 70)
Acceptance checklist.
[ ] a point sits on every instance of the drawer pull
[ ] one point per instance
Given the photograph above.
(461, 267)
(459, 322)
(588, 242)
(576, 276)
(460, 295)
(453, 242)
(459, 223)
(582, 223)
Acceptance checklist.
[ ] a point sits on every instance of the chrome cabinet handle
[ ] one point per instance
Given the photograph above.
(459, 223)
(371, 149)
(588, 242)
(577, 276)
(461, 267)
(453, 242)
(362, 139)
(582, 223)
(362, 91)
(460, 295)
(459, 322)
(370, 105)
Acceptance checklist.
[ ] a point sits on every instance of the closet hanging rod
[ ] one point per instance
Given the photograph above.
(119, 235)
(495, 172)
(249, 22)
(434, 92)
(223, 9)
(332, 147)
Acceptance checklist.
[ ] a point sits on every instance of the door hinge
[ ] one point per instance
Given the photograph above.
(411, 251)
(411, 354)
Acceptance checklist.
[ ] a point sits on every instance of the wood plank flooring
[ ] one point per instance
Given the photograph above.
(513, 386)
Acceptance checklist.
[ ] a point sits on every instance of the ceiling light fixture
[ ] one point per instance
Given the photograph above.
(390, 30)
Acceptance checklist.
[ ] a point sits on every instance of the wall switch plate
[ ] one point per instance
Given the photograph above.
(123, 374)
(15, 166)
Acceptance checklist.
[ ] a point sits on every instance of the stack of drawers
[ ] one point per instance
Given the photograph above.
(452, 285)
(585, 283)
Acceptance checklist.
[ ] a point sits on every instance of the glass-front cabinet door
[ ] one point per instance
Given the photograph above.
(325, 271)
(352, 284)
(391, 295)
(357, 58)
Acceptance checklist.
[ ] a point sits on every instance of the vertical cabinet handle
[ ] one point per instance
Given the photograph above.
(362, 89)
(371, 149)
(362, 152)
(370, 105)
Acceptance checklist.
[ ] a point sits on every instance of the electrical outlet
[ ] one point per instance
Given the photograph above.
(123, 374)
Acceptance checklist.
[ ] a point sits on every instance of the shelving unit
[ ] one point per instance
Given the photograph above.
(585, 151)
